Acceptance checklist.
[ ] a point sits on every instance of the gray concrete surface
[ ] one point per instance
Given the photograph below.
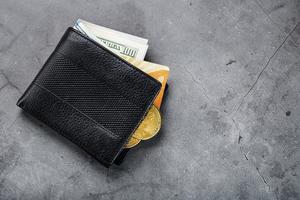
(230, 121)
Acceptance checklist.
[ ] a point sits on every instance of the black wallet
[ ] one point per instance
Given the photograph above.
(89, 95)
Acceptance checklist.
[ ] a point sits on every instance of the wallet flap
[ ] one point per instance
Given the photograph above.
(90, 95)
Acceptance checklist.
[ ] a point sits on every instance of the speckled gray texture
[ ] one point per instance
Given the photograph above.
(230, 120)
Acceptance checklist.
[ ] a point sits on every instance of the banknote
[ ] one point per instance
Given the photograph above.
(124, 46)
(97, 29)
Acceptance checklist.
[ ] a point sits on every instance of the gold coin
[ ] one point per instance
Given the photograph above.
(132, 142)
(150, 126)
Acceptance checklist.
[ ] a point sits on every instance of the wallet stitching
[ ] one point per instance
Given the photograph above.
(64, 101)
(76, 64)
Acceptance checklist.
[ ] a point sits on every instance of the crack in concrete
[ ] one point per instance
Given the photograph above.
(263, 178)
(246, 157)
(267, 14)
(8, 82)
(230, 62)
(239, 134)
(266, 65)
(256, 168)
(199, 83)
(13, 40)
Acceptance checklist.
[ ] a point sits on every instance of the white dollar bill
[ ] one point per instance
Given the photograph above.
(100, 29)
(122, 44)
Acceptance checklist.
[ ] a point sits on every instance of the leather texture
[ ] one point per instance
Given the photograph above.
(90, 96)
(121, 157)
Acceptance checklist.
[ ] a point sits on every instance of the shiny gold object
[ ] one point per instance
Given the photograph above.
(150, 126)
(132, 142)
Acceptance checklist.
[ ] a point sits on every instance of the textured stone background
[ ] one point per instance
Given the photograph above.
(231, 118)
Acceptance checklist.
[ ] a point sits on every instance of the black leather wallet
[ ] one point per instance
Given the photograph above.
(89, 95)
